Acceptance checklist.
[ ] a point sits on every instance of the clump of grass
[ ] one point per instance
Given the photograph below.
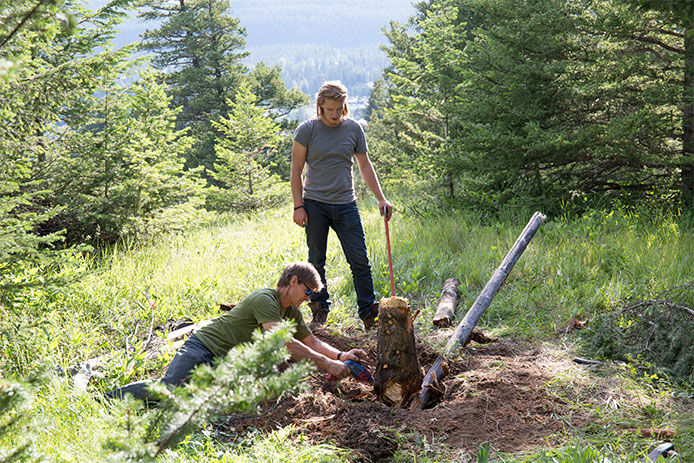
(283, 445)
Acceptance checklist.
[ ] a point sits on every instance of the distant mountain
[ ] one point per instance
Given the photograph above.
(312, 40)
(333, 22)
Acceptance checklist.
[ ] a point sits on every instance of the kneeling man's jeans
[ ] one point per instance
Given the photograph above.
(191, 354)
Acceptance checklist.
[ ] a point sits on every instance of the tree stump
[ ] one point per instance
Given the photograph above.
(398, 375)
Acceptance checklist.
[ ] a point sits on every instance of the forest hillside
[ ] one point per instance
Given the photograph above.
(143, 201)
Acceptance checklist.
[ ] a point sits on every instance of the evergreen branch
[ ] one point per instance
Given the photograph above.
(21, 23)
(677, 306)
(164, 444)
(665, 302)
(653, 40)
(247, 375)
(666, 32)
(78, 63)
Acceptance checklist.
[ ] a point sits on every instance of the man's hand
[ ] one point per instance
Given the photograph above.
(300, 217)
(385, 208)
(338, 369)
(355, 354)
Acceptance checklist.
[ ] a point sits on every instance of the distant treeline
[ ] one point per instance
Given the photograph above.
(307, 66)
(337, 23)
(312, 41)
(321, 40)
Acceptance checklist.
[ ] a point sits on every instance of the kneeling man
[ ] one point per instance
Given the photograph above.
(263, 308)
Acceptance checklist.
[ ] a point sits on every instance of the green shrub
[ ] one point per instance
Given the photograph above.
(654, 335)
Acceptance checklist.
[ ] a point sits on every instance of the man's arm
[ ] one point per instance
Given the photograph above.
(298, 161)
(325, 357)
(329, 351)
(366, 169)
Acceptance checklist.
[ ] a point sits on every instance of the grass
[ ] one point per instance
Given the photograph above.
(573, 267)
(279, 446)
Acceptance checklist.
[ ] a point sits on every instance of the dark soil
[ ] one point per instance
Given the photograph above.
(494, 393)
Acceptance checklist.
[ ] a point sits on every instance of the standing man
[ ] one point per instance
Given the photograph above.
(326, 145)
(262, 309)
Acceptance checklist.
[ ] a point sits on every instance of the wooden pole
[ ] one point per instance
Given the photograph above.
(390, 257)
(445, 309)
(464, 329)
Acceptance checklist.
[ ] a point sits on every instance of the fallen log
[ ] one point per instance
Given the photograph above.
(464, 329)
(398, 376)
(582, 361)
(658, 433)
(445, 309)
(181, 333)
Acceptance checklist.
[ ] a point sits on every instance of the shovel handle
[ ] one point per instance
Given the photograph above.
(390, 257)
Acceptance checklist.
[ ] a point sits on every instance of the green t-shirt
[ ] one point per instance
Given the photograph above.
(237, 325)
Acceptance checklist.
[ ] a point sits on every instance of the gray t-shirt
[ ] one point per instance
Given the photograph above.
(329, 159)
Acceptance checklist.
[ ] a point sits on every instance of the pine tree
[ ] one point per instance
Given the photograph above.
(422, 82)
(49, 72)
(679, 23)
(266, 83)
(19, 17)
(515, 107)
(200, 47)
(121, 171)
(538, 101)
(247, 136)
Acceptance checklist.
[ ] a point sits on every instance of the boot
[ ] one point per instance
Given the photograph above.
(371, 321)
(320, 314)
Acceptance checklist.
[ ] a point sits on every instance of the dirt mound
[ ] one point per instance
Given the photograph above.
(493, 393)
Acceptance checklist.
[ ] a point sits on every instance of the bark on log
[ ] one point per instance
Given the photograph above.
(659, 433)
(398, 375)
(462, 332)
(445, 309)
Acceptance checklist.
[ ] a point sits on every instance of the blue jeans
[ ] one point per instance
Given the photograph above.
(191, 354)
(345, 220)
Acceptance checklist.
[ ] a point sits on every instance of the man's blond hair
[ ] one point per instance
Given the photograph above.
(331, 90)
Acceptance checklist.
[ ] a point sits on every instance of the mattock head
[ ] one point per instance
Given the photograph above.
(666, 450)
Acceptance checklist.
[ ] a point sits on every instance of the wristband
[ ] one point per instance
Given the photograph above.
(299, 207)
(339, 354)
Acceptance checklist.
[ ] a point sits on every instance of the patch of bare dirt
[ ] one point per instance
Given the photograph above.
(493, 393)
